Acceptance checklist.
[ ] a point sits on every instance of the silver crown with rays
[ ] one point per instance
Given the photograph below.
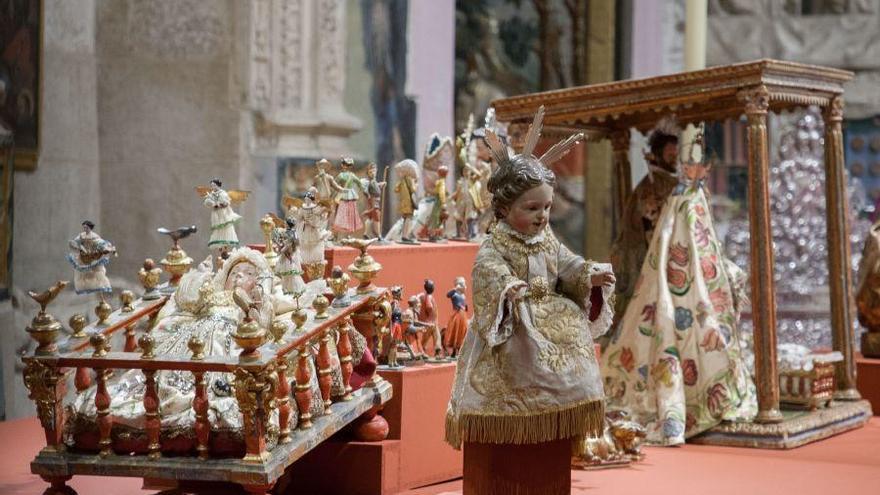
(505, 156)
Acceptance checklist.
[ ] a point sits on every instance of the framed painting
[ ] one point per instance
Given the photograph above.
(21, 34)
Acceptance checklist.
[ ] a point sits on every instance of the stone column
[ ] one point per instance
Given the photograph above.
(839, 266)
(757, 101)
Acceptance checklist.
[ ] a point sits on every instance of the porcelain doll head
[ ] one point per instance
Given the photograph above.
(460, 284)
(396, 292)
(371, 170)
(322, 164)
(245, 268)
(443, 171)
(216, 184)
(347, 163)
(88, 226)
(413, 302)
(522, 185)
(429, 286)
(311, 194)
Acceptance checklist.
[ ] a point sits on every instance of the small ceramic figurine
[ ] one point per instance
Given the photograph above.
(347, 220)
(457, 327)
(395, 336)
(413, 330)
(439, 213)
(373, 214)
(311, 229)
(527, 370)
(407, 172)
(428, 315)
(469, 206)
(289, 265)
(479, 157)
(326, 187)
(89, 255)
(223, 219)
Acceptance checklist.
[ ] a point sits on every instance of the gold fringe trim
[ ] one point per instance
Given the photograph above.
(583, 419)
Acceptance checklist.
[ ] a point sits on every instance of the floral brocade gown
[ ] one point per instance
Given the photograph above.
(675, 363)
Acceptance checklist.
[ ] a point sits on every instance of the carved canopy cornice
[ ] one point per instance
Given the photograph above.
(708, 94)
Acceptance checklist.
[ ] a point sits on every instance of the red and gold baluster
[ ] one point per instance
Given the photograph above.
(343, 348)
(200, 406)
(325, 378)
(283, 397)
(152, 422)
(102, 405)
(303, 391)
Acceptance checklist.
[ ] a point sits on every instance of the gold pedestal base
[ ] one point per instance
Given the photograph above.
(796, 429)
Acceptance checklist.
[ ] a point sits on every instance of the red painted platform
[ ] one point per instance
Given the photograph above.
(845, 464)
(868, 380)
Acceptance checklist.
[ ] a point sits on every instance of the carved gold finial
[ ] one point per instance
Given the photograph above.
(364, 268)
(147, 342)
(196, 345)
(277, 329)
(267, 225)
(102, 311)
(44, 327)
(249, 336)
(321, 304)
(126, 297)
(99, 342)
(338, 283)
(176, 261)
(299, 317)
(78, 323)
(149, 276)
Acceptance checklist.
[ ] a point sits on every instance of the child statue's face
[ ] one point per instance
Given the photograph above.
(530, 212)
(242, 275)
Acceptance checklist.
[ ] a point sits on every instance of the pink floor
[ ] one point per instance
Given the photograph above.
(846, 464)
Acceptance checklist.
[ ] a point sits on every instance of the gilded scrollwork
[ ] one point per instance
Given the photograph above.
(756, 100)
(41, 381)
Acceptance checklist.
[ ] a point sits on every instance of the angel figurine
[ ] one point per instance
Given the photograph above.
(223, 219)
(289, 266)
(373, 190)
(527, 370)
(89, 254)
(311, 229)
(407, 172)
(347, 220)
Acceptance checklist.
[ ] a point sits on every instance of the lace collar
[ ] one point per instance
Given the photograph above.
(508, 237)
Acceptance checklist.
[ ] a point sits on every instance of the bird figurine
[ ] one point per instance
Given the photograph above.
(178, 234)
(48, 295)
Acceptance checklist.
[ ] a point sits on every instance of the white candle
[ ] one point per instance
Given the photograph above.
(696, 14)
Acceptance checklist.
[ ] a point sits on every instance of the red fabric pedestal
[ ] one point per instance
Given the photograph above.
(868, 380)
(505, 469)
